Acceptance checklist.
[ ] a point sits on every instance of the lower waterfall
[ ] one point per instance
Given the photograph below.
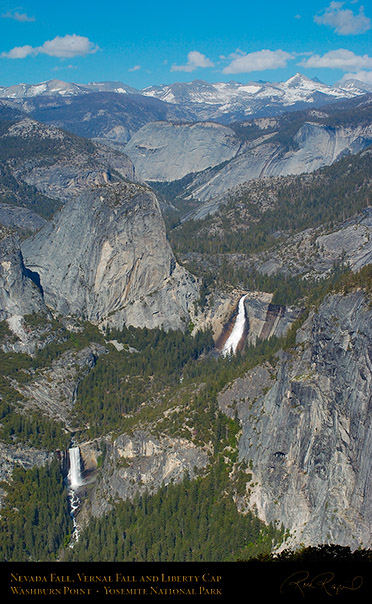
(237, 333)
(74, 480)
(74, 474)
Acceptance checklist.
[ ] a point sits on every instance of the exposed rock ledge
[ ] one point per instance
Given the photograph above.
(141, 462)
(17, 455)
(52, 391)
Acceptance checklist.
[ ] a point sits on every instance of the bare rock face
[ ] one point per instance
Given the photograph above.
(164, 151)
(315, 146)
(52, 391)
(352, 242)
(59, 164)
(306, 429)
(19, 295)
(266, 319)
(140, 462)
(16, 455)
(105, 257)
(14, 216)
(314, 252)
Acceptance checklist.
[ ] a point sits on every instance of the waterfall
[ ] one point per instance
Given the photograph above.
(74, 474)
(75, 480)
(238, 330)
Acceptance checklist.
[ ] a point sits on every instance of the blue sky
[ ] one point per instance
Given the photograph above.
(144, 43)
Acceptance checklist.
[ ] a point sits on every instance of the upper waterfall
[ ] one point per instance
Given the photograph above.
(236, 335)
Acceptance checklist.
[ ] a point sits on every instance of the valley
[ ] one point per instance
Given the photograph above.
(185, 311)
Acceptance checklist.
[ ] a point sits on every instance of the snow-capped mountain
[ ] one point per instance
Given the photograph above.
(50, 88)
(355, 86)
(59, 88)
(118, 87)
(197, 101)
(227, 101)
(296, 88)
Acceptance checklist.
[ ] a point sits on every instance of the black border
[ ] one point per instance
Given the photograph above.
(217, 582)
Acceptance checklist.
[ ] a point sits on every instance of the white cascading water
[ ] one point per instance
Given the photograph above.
(74, 474)
(75, 480)
(236, 335)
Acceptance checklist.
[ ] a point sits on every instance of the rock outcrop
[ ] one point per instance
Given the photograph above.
(18, 456)
(105, 257)
(22, 218)
(19, 293)
(265, 319)
(163, 151)
(59, 164)
(315, 146)
(52, 391)
(306, 428)
(314, 252)
(141, 462)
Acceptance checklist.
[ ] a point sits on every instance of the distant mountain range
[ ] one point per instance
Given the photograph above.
(231, 101)
(199, 100)
(59, 88)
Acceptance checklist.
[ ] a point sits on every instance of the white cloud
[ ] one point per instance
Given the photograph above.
(339, 59)
(64, 47)
(363, 76)
(68, 46)
(135, 68)
(344, 21)
(257, 61)
(195, 60)
(19, 52)
(22, 17)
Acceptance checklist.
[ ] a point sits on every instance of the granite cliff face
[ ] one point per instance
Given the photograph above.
(164, 151)
(218, 158)
(313, 252)
(19, 294)
(140, 462)
(265, 319)
(22, 218)
(315, 146)
(59, 164)
(105, 257)
(17, 456)
(306, 428)
(52, 391)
